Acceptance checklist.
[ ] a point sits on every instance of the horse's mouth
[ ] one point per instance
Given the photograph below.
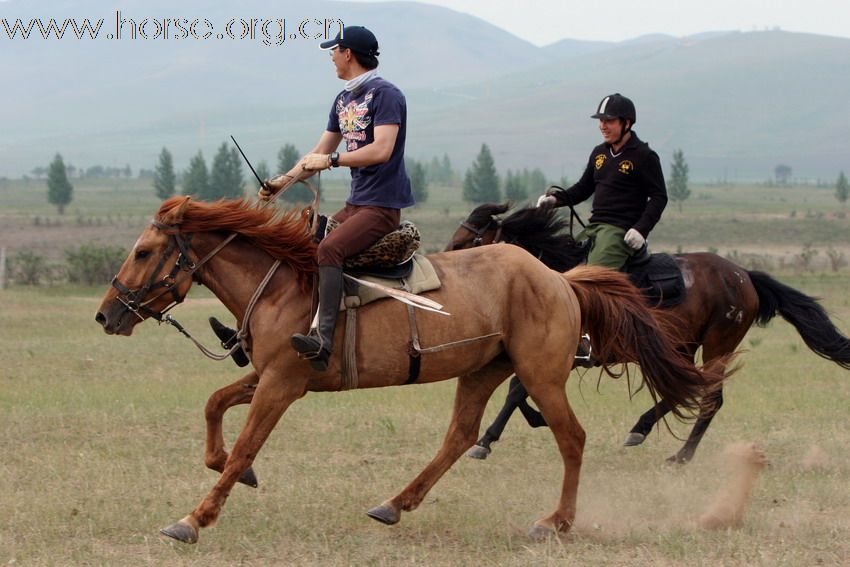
(123, 324)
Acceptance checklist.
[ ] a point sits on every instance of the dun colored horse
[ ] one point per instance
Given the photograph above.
(723, 301)
(528, 322)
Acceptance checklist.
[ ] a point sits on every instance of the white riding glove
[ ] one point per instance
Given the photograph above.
(546, 201)
(634, 239)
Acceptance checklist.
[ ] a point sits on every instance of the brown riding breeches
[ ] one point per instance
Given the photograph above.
(359, 228)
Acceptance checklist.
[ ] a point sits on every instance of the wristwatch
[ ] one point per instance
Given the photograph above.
(335, 159)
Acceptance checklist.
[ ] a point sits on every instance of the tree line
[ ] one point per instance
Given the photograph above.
(225, 178)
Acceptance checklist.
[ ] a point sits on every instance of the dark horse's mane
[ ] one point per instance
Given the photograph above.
(285, 236)
(537, 229)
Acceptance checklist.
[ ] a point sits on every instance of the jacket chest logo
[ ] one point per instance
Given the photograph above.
(599, 161)
(626, 167)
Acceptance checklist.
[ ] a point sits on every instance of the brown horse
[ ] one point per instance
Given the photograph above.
(723, 302)
(528, 322)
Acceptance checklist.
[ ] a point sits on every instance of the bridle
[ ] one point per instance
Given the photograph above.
(136, 300)
(480, 232)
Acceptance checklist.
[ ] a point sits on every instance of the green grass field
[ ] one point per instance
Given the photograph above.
(103, 436)
(103, 443)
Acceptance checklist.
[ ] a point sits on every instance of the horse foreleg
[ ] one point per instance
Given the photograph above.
(240, 392)
(515, 399)
(473, 391)
(686, 453)
(645, 424)
(271, 400)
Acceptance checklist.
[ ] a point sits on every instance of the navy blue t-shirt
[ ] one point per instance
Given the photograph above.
(376, 103)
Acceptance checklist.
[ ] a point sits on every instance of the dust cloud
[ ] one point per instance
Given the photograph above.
(744, 462)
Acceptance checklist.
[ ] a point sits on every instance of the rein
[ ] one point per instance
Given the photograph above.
(136, 302)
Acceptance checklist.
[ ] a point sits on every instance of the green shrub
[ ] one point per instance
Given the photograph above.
(93, 264)
(29, 268)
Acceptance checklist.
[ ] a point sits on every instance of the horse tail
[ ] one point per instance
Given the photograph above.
(623, 329)
(805, 313)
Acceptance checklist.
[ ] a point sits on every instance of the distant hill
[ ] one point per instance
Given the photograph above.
(736, 103)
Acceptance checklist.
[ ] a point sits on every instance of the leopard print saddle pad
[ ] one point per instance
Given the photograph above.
(393, 249)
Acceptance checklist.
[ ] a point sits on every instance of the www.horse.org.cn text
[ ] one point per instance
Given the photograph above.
(266, 31)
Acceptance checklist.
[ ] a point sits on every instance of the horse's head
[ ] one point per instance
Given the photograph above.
(482, 226)
(147, 284)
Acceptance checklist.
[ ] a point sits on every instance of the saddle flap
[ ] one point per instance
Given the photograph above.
(386, 272)
(660, 278)
(423, 277)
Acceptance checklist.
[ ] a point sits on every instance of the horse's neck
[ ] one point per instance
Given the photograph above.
(236, 271)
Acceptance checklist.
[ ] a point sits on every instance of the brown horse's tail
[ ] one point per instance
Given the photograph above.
(623, 329)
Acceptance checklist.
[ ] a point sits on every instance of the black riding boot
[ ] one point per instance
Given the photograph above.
(227, 336)
(318, 343)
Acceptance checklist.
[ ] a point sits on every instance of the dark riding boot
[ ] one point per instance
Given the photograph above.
(227, 336)
(317, 345)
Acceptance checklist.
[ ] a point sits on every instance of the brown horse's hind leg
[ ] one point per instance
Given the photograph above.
(240, 392)
(715, 348)
(473, 392)
(271, 399)
(550, 396)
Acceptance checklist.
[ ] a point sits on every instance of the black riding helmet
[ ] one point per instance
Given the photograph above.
(614, 107)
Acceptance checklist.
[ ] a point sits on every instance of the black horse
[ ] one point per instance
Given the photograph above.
(723, 301)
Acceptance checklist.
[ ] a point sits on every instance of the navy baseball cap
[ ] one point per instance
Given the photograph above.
(355, 38)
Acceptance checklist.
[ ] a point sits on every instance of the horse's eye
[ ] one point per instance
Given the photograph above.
(142, 254)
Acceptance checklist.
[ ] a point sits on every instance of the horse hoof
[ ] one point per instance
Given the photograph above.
(248, 477)
(478, 452)
(540, 533)
(184, 531)
(385, 514)
(634, 439)
(678, 460)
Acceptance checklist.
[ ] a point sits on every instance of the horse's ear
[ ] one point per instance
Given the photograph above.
(503, 208)
(175, 215)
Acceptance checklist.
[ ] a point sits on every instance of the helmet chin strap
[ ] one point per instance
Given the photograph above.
(623, 131)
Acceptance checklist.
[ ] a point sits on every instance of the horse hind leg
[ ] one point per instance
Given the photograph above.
(716, 351)
(473, 392)
(239, 392)
(551, 398)
(686, 453)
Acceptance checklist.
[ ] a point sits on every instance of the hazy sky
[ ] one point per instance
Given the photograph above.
(546, 21)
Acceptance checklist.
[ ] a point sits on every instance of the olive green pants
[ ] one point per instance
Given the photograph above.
(607, 245)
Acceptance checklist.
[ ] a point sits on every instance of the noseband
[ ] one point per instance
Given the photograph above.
(480, 232)
(134, 299)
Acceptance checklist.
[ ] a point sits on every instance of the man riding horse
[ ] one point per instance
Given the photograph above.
(625, 176)
(370, 115)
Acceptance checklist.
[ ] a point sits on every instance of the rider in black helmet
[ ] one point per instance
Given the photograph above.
(625, 176)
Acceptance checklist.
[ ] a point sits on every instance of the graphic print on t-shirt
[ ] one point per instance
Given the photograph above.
(354, 118)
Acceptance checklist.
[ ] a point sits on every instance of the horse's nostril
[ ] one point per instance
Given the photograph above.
(100, 318)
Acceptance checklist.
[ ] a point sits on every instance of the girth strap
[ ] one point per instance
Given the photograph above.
(350, 379)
